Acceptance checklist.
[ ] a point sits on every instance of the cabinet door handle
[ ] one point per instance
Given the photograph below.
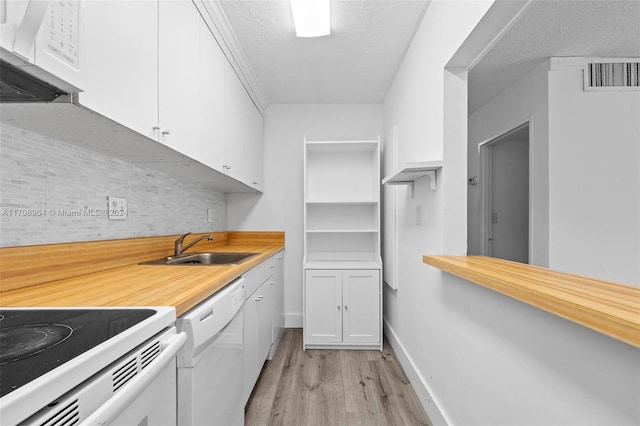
(166, 132)
(345, 307)
(338, 307)
(156, 127)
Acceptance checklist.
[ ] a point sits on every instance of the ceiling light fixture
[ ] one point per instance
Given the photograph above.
(311, 17)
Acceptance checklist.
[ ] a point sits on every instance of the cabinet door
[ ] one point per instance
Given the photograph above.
(265, 313)
(323, 306)
(179, 76)
(243, 132)
(120, 61)
(210, 150)
(277, 289)
(251, 350)
(361, 306)
(255, 152)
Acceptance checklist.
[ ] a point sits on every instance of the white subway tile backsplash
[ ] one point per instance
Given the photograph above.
(54, 192)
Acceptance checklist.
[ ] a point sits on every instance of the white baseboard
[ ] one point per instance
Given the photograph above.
(430, 405)
(293, 320)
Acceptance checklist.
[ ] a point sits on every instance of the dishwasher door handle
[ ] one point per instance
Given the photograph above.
(129, 392)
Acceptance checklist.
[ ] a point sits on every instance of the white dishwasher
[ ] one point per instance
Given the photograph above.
(211, 364)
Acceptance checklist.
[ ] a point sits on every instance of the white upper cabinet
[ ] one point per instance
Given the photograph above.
(161, 73)
(243, 133)
(211, 122)
(121, 64)
(179, 77)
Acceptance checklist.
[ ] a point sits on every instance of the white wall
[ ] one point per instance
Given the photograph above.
(473, 355)
(414, 313)
(525, 101)
(594, 180)
(280, 207)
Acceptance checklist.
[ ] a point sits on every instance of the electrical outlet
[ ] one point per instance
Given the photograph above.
(419, 214)
(494, 217)
(209, 215)
(117, 208)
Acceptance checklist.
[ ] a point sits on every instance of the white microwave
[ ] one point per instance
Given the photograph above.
(43, 38)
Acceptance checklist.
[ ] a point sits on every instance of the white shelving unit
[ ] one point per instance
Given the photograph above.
(342, 263)
(410, 172)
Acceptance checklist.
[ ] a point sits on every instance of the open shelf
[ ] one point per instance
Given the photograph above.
(342, 264)
(341, 146)
(410, 172)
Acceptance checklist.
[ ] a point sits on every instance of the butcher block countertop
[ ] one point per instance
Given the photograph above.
(610, 308)
(131, 284)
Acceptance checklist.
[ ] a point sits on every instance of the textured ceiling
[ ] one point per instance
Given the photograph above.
(607, 28)
(355, 64)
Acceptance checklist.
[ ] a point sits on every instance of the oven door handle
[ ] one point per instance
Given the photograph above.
(121, 400)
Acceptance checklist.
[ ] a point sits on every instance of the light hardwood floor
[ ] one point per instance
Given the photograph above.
(332, 387)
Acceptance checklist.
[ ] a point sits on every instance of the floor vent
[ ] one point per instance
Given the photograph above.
(66, 416)
(614, 75)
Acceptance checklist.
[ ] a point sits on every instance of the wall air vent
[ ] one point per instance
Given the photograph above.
(612, 74)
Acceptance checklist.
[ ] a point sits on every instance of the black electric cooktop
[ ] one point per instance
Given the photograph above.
(36, 341)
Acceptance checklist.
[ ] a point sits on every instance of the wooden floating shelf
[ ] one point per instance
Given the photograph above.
(610, 308)
(411, 172)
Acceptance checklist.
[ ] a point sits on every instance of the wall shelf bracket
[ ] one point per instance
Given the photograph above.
(411, 172)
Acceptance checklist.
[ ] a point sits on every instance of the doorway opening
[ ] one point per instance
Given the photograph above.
(505, 195)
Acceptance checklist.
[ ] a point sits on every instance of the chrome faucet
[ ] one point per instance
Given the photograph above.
(178, 244)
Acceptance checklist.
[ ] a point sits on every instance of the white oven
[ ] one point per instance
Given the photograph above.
(126, 374)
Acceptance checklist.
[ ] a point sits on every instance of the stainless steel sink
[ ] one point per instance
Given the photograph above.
(195, 259)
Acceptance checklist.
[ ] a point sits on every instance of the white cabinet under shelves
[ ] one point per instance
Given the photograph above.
(342, 308)
(341, 234)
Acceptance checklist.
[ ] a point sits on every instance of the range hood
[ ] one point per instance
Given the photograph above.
(16, 85)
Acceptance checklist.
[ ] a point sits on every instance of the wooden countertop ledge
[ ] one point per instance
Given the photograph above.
(607, 307)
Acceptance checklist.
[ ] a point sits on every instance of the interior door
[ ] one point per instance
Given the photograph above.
(508, 196)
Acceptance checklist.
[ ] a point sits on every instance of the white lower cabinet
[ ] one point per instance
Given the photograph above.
(277, 292)
(342, 308)
(263, 308)
(257, 335)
